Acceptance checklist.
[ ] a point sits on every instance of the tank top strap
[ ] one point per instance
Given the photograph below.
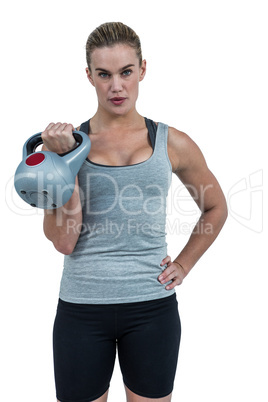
(161, 150)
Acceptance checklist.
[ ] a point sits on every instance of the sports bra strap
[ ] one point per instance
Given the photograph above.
(85, 127)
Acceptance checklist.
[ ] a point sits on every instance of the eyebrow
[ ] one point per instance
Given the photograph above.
(121, 69)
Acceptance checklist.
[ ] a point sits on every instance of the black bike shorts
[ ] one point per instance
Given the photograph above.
(86, 337)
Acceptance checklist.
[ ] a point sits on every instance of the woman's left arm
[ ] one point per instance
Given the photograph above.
(189, 164)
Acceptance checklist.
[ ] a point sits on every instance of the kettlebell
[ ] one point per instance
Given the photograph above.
(46, 179)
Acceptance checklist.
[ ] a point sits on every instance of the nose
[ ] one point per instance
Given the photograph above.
(116, 84)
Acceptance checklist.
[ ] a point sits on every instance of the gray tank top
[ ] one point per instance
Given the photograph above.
(123, 240)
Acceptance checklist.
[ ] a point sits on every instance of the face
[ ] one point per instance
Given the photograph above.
(115, 74)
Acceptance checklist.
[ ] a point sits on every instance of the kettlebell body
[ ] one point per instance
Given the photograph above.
(46, 179)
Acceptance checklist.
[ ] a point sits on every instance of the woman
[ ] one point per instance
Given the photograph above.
(117, 289)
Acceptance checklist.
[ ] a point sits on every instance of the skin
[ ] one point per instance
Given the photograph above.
(119, 137)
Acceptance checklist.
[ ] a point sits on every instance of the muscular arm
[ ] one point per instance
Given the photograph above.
(189, 165)
(62, 225)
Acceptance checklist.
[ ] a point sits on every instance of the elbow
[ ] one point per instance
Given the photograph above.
(63, 242)
(219, 212)
(226, 214)
(65, 248)
(224, 211)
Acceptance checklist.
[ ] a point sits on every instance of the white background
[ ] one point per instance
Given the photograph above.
(207, 76)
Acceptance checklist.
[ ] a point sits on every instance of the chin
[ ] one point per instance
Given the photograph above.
(120, 111)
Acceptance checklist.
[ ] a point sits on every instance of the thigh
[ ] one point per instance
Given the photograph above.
(84, 352)
(148, 346)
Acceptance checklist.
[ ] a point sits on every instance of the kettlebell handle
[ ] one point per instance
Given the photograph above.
(35, 140)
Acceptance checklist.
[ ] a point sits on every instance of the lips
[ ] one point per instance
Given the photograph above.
(117, 100)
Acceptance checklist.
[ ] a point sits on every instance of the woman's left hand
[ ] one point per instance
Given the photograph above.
(174, 272)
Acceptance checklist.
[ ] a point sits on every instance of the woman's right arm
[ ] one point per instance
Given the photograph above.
(62, 225)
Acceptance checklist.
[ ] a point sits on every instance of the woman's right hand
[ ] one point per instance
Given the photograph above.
(58, 137)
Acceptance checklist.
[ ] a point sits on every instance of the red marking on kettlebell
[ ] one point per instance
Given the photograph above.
(35, 159)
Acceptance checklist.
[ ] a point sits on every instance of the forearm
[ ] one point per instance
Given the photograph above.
(62, 225)
(204, 233)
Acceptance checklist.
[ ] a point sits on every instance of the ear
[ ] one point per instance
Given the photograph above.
(142, 70)
(89, 76)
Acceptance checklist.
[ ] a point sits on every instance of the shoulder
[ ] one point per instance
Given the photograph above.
(183, 152)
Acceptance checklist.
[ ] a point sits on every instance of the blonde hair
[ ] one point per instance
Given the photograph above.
(110, 34)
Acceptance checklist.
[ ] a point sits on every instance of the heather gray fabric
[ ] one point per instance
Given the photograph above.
(123, 241)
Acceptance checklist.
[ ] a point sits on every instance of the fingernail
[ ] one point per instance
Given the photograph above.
(160, 278)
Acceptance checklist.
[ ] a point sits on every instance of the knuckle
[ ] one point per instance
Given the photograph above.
(67, 129)
(166, 272)
(49, 125)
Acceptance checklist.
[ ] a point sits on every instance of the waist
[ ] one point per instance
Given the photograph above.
(119, 277)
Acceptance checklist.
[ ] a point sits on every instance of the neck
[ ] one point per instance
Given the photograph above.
(103, 120)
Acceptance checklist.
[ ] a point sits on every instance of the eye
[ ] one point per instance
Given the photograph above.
(103, 75)
(126, 73)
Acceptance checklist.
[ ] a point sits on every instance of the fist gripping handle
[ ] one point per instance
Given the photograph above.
(46, 179)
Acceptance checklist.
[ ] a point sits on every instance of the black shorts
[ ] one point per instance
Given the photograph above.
(86, 337)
